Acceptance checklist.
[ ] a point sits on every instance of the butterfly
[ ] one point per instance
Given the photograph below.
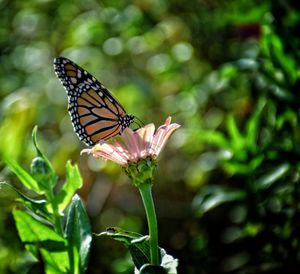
(95, 114)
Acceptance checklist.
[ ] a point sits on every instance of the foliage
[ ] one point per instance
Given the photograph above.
(138, 247)
(39, 221)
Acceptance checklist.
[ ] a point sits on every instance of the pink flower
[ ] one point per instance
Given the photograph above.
(133, 146)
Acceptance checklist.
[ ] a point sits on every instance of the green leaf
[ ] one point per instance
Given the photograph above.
(136, 243)
(41, 168)
(213, 137)
(138, 247)
(78, 234)
(237, 140)
(9, 195)
(55, 262)
(72, 184)
(213, 196)
(41, 239)
(31, 230)
(26, 179)
(252, 125)
(272, 176)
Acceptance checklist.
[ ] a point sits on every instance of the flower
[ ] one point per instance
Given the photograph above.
(133, 146)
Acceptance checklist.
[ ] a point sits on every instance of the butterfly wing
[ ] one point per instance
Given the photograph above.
(96, 115)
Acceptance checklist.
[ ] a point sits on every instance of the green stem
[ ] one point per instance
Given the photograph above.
(56, 215)
(146, 193)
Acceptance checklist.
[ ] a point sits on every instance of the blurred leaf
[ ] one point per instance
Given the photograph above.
(78, 234)
(213, 137)
(252, 126)
(237, 140)
(288, 116)
(227, 71)
(213, 196)
(272, 176)
(72, 184)
(245, 166)
(25, 178)
(17, 109)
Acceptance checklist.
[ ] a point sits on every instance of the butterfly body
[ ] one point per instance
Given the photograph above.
(95, 114)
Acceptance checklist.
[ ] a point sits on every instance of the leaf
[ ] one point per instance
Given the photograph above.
(55, 262)
(272, 176)
(78, 234)
(213, 137)
(212, 196)
(72, 184)
(237, 140)
(41, 168)
(41, 239)
(31, 230)
(138, 246)
(9, 194)
(252, 125)
(136, 243)
(26, 179)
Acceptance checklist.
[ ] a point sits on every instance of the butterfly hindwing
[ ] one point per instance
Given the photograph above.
(96, 115)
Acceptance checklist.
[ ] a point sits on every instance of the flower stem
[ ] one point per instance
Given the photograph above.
(146, 193)
(56, 216)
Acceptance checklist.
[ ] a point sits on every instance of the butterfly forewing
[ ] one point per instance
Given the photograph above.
(96, 115)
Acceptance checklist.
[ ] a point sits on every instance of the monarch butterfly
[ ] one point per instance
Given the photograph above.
(95, 114)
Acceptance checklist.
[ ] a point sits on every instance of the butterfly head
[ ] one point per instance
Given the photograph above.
(126, 121)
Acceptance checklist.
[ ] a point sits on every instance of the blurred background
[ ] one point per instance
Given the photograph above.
(227, 188)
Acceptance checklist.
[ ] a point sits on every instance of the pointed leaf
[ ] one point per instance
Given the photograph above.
(237, 140)
(41, 239)
(55, 262)
(138, 246)
(213, 196)
(26, 179)
(41, 168)
(9, 194)
(78, 233)
(252, 125)
(72, 184)
(272, 176)
(31, 230)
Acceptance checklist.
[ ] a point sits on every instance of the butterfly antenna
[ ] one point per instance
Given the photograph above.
(139, 123)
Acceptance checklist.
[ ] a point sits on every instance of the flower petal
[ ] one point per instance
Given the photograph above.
(146, 136)
(133, 146)
(161, 137)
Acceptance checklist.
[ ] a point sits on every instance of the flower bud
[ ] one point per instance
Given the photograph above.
(42, 173)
